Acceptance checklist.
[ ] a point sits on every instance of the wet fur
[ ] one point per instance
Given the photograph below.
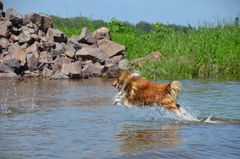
(137, 90)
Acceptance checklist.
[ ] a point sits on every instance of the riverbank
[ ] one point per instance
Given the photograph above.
(209, 51)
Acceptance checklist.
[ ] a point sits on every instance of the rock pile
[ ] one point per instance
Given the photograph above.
(31, 47)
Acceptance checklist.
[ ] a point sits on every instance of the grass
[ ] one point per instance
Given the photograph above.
(210, 51)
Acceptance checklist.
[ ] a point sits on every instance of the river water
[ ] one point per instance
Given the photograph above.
(75, 119)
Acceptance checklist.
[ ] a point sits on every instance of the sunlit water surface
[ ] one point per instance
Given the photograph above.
(75, 119)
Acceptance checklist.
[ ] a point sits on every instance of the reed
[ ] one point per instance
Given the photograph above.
(209, 51)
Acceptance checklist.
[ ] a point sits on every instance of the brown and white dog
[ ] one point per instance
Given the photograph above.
(137, 90)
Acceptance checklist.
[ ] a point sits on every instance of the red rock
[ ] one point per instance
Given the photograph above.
(4, 43)
(56, 35)
(43, 21)
(111, 48)
(73, 69)
(86, 37)
(102, 33)
(92, 70)
(94, 54)
(17, 52)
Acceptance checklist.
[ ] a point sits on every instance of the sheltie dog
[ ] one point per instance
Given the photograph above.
(137, 90)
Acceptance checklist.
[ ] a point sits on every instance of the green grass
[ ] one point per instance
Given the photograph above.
(204, 52)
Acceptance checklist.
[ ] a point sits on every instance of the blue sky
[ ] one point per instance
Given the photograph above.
(181, 12)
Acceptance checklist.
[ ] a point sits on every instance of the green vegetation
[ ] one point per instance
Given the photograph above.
(209, 51)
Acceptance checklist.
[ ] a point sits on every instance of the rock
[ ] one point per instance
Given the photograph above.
(46, 72)
(58, 63)
(5, 69)
(56, 35)
(70, 52)
(29, 73)
(41, 34)
(15, 31)
(94, 54)
(15, 17)
(43, 21)
(86, 37)
(115, 59)
(14, 38)
(124, 64)
(45, 58)
(8, 75)
(30, 30)
(111, 48)
(46, 45)
(73, 70)
(110, 71)
(25, 37)
(88, 45)
(58, 50)
(73, 42)
(150, 57)
(4, 31)
(32, 61)
(59, 76)
(12, 62)
(102, 33)
(92, 70)
(4, 43)
(15, 51)
(33, 49)
(35, 37)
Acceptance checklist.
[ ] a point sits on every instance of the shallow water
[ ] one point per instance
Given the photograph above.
(75, 119)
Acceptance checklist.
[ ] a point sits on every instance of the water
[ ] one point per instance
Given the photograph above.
(75, 119)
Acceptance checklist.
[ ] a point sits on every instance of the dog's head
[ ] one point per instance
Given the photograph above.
(121, 78)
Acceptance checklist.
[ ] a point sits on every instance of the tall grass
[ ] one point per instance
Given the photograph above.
(210, 51)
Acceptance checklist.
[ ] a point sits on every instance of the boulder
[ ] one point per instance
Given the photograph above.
(110, 71)
(92, 70)
(115, 59)
(43, 21)
(73, 70)
(56, 35)
(4, 31)
(86, 37)
(8, 75)
(102, 33)
(32, 61)
(4, 43)
(124, 64)
(94, 54)
(59, 49)
(5, 69)
(15, 51)
(111, 48)
(58, 63)
(70, 51)
(73, 42)
(35, 37)
(30, 30)
(45, 58)
(11, 62)
(59, 76)
(33, 49)
(25, 37)
(15, 17)
(14, 38)
(46, 72)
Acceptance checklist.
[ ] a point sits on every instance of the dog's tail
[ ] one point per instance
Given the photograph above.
(174, 89)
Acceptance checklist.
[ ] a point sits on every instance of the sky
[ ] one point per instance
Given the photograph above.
(182, 12)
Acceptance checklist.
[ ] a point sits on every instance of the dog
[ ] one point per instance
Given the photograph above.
(135, 89)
